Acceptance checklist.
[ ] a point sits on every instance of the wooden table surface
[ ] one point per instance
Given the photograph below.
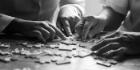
(87, 63)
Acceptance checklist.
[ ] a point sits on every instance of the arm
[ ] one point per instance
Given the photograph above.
(111, 18)
(38, 29)
(70, 13)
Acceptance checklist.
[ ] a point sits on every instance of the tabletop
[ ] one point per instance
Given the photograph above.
(77, 63)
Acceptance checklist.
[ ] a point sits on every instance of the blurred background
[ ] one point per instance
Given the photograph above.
(93, 7)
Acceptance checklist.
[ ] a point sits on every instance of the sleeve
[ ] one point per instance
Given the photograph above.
(120, 6)
(4, 21)
(77, 5)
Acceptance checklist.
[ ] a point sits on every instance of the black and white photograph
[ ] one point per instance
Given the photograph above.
(69, 34)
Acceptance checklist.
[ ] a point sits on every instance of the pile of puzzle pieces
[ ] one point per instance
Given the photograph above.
(59, 53)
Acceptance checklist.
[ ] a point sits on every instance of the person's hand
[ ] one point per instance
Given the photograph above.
(67, 19)
(42, 30)
(117, 44)
(89, 27)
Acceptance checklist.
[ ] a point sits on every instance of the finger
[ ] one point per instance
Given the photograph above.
(108, 47)
(49, 29)
(66, 26)
(59, 33)
(86, 29)
(92, 31)
(73, 21)
(111, 34)
(99, 44)
(96, 29)
(104, 42)
(117, 53)
(59, 25)
(79, 28)
(45, 33)
(90, 22)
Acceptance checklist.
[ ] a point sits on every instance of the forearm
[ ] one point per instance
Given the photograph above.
(112, 19)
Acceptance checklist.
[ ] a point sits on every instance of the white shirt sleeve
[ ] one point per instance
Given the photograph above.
(4, 21)
(78, 5)
(120, 6)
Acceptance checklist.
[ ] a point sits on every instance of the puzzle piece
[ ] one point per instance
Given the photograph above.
(43, 60)
(48, 52)
(82, 52)
(29, 46)
(36, 52)
(69, 54)
(53, 46)
(68, 43)
(63, 61)
(104, 63)
(38, 45)
(16, 51)
(24, 43)
(26, 53)
(5, 45)
(3, 53)
(5, 59)
(65, 47)
(55, 58)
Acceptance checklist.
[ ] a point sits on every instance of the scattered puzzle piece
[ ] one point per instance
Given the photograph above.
(38, 45)
(16, 51)
(48, 52)
(104, 63)
(68, 43)
(5, 45)
(64, 48)
(3, 53)
(63, 61)
(5, 59)
(43, 60)
(29, 46)
(82, 52)
(24, 43)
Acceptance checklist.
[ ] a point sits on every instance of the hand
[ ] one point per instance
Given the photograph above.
(89, 27)
(42, 30)
(117, 44)
(67, 19)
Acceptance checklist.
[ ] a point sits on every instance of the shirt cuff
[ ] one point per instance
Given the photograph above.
(81, 9)
(4, 21)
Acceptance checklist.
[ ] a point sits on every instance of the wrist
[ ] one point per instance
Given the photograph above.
(12, 27)
(101, 20)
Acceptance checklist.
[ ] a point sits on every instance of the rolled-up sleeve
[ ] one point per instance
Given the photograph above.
(78, 5)
(4, 21)
(120, 6)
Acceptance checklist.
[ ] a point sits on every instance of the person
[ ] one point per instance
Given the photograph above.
(37, 18)
(122, 19)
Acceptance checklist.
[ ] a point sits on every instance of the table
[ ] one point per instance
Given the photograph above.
(87, 63)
